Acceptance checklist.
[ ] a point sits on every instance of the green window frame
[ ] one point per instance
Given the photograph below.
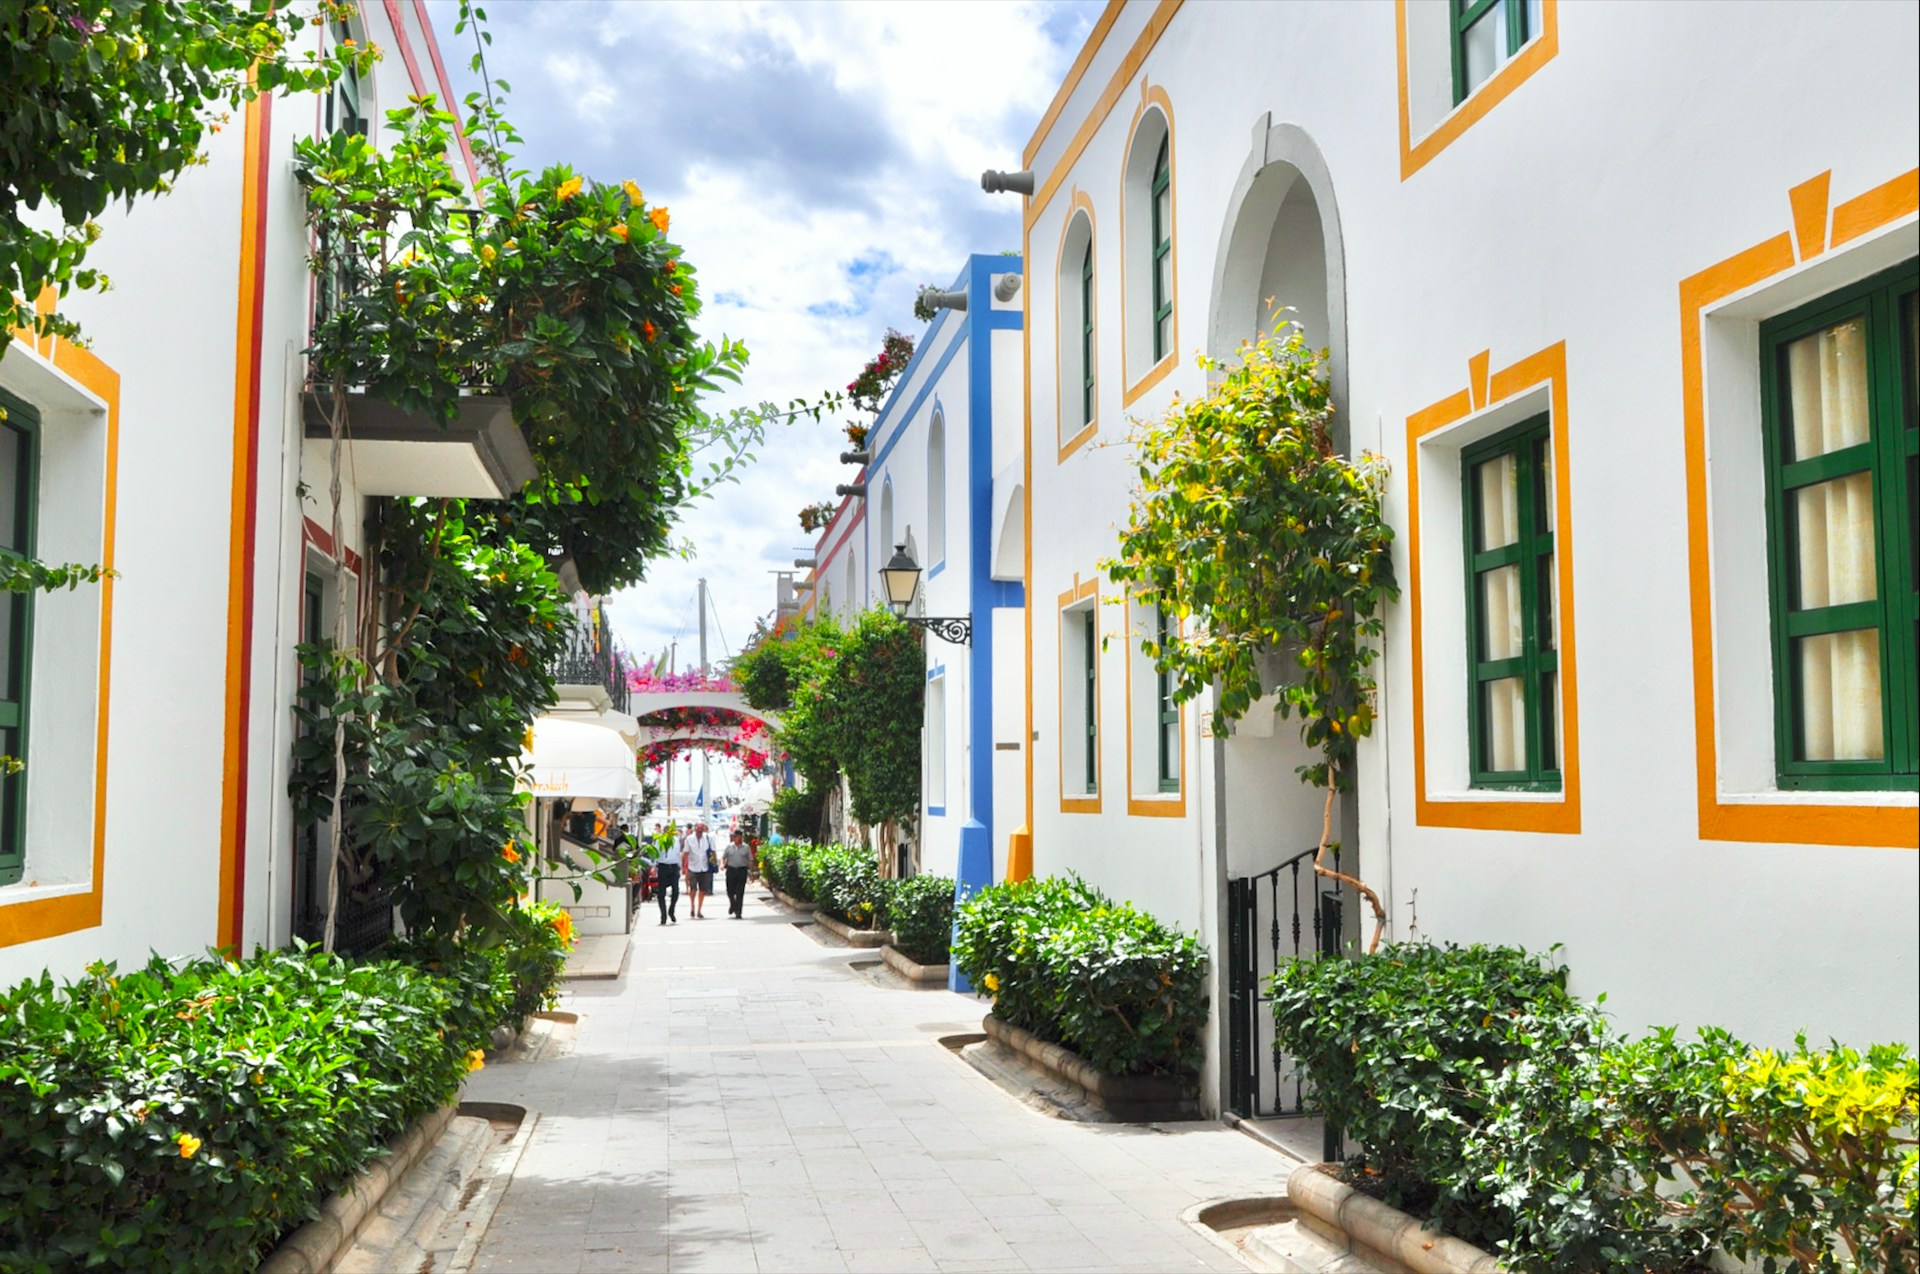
(1161, 201)
(1513, 661)
(1815, 611)
(344, 112)
(1512, 24)
(1086, 335)
(19, 509)
(1092, 701)
(1168, 711)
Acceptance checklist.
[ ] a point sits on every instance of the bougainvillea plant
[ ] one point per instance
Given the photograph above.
(1257, 536)
(649, 678)
(815, 516)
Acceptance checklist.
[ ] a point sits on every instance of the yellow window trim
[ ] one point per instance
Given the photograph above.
(1548, 367)
(1152, 96)
(1080, 592)
(1536, 53)
(1789, 820)
(1151, 804)
(1067, 446)
(37, 918)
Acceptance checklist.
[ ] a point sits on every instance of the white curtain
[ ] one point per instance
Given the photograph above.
(1833, 520)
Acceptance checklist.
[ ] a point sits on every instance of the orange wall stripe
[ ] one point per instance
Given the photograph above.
(1886, 202)
(240, 558)
(1809, 200)
(1095, 38)
(1122, 76)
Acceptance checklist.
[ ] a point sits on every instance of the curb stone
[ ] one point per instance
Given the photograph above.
(1141, 1098)
(1381, 1229)
(851, 936)
(906, 967)
(314, 1247)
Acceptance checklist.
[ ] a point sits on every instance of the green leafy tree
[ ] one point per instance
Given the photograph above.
(874, 699)
(1258, 536)
(106, 102)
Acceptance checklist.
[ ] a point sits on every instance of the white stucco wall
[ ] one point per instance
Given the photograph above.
(1568, 213)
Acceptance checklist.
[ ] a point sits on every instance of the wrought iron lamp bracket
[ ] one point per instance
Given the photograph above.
(958, 630)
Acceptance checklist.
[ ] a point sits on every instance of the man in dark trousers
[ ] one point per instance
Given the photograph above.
(737, 858)
(666, 870)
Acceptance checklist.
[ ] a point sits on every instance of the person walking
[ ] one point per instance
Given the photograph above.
(738, 860)
(702, 858)
(666, 871)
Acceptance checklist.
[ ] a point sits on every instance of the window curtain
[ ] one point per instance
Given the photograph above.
(1834, 565)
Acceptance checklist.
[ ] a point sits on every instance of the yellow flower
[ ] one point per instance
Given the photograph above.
(659, 218)
(476, 1058)
(508, 852)
(618, 231)
(569, 188)
(189, 1145)
(487, 253)
(992, 983)
(633, 193)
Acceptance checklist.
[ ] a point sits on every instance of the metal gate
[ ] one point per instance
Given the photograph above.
(1287, 913)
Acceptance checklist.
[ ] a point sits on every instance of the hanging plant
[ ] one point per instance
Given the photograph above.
(1251, 530)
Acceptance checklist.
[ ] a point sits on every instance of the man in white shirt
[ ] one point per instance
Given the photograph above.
(701, 856)
(737, 858)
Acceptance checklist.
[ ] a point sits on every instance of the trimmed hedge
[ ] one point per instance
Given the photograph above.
(1115, 985)
(845, 882)
(920, 913)
(780, 867)
(1492, 1102)
(168, 1118)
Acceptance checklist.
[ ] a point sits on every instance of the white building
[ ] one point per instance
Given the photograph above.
(942, 481)
(152, 814)
(1600, 265)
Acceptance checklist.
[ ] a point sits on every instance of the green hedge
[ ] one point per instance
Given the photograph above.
(780, 867)
(920, 913)
(1115, 985)
(1488, 1100)
(173, 1118)
(844, 881)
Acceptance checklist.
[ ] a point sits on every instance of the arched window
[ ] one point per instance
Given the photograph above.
(1147, 255)
(937, 489)
(1077, 354)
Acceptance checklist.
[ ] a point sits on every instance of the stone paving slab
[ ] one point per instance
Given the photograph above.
(598, 957)
(744, 1100)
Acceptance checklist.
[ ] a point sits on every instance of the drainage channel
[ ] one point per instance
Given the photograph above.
(1268, 1233)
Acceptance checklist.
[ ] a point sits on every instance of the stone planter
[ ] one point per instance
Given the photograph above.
(314, 1247)
(851, 936)
(1378, 1232)
(790, 902)
(927, 974)
(1133, 1098)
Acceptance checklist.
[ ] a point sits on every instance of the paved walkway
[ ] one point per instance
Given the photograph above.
(744, 1099)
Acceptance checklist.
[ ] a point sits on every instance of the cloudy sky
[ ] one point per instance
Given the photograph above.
(821, 161)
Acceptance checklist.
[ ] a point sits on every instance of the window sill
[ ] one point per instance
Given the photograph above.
(36, 890)
(1884, 798)
(1478, 794)
(1158, 805)
(1153, 376)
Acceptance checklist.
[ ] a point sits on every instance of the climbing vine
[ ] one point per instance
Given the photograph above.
(1257, 536)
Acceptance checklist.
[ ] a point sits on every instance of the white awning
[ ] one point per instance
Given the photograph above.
(630, 730)
(579, 758)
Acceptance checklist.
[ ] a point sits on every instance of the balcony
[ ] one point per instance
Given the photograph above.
(480, 455)
(590, 666)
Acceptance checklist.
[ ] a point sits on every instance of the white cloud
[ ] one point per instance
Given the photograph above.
(791, 141)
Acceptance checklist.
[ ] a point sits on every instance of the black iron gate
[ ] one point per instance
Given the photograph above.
(363, 920)
(1287, 913)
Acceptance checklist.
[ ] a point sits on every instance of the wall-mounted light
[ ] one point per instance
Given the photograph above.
(1007, 288)
(941, 299)
(995, 182)
(900, 580)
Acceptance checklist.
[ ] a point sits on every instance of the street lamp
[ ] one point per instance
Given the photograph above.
(900, 579)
